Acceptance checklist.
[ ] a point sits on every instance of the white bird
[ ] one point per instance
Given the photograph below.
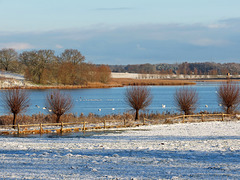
(163, 105)
(113, 109)
(206, 106)
(99, 110)
(44, 108)
(37, 106)
(219, 104)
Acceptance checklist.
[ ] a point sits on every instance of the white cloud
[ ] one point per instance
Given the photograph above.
(131, 43)
(16, 45)
(217, 26)
(139, 47)
(209, 42)
(58, 46)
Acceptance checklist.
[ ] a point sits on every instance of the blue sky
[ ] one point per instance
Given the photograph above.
(125, 31)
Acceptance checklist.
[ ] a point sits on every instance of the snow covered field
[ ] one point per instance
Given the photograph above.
(209, 150)
(11, 75)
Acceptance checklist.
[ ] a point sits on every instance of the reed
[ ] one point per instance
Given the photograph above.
(43, 128)
(72, 118)
(114, 82)
(150, 82)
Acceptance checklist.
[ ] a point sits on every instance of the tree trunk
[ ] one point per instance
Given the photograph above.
(14, 120)
(229, 110)
(58, 118)
(39, 78)
(136, 117)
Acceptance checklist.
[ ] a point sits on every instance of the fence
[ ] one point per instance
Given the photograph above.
(60, 127)
(85, 126)
(200, 118)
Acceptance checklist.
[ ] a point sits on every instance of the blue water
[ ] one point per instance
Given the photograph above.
(111, 101)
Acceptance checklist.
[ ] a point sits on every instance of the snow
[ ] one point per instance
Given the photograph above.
(11, 75)
(208, 150)
(166, 76)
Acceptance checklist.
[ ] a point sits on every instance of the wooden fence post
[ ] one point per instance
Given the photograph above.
(202, 118)
(143, 121)
(222, 117)
(18, 129)
(124, 122)
(183, 119)
(61, 130)
(84, 125)
(41, 128)
(104, 123)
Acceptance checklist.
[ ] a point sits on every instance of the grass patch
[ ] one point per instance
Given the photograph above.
(150, 82)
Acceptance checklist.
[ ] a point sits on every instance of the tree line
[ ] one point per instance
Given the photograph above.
(204, 68)
(185, 98)
(16, 100)
(44, 67)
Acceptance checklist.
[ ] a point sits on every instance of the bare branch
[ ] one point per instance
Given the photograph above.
(59, 103)
(15, 101)
(72, 55)
(186, 99)
(229, 96)
(138, 97)
(7, 56)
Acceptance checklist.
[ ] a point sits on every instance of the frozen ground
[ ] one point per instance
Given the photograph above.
(11, 75)
(209, 150)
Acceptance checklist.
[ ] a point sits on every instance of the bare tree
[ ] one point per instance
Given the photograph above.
(38, 63)
(229, 96)
(104, 73)
(15, 101)
(72, 55)
(7, 56)
(186, 99)
(138, 97)
(58, 103)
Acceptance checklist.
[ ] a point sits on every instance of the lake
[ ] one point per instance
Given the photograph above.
(111, 101)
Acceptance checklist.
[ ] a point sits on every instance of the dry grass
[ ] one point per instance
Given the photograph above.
(129, 117)
(150, 82)
(91, 118)
(216, 80)
(94, 122)
(116, 82)
(86, 86)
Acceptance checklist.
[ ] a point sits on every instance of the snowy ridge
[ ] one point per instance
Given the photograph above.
(208, 150)
(167, 76)
(12, 80)
(11, 75)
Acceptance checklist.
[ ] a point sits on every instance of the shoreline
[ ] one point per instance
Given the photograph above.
(113, 83)
(119, 82)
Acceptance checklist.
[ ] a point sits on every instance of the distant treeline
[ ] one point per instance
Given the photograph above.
(44, 67)
(205, 68)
